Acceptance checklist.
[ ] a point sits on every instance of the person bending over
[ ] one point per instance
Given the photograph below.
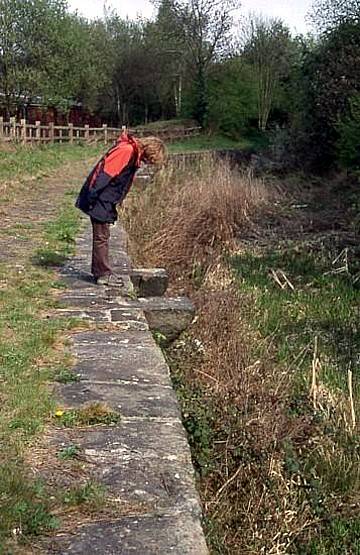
(106, 187)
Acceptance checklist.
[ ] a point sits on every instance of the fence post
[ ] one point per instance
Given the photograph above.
(71, 133)
(87, 133)
(37, 131)
(13, 128)
(51, 131)
(1, 128)
(23, 131)
(105, 133)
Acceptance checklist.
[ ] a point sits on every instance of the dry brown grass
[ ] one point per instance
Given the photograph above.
(183, 220)
(248, 439)
(186, 224)
(248, 496)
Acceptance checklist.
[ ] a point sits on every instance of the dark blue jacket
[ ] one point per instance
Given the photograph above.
(110, 180)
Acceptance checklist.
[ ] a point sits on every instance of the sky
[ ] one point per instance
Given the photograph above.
(291, 11)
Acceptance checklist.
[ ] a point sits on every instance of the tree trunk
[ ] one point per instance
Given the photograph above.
(201, 96)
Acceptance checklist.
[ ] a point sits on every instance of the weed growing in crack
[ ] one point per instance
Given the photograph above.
(65, 375)
(69, 452)
(92, 414)
(92, 495)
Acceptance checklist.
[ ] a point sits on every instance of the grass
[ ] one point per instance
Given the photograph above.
(69, 452)
(89, 415)
(323, 305)
(277, 462)
(29, 352)
(217, 142)
(19, 162)
(60, 239)
(91, 494)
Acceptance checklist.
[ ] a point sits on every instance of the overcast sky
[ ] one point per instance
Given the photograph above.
(291, 11)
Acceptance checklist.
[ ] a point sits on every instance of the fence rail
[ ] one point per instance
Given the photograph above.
(23, 132)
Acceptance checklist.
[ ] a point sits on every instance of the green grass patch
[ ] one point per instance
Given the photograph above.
(26, 351)
(65, 375)
(92, 495)
(68, 453)
(217, 142)
(90, 415)
(60, 239)
(21, 162)
(324, 305)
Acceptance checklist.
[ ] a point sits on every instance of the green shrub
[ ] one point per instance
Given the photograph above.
(348, 145)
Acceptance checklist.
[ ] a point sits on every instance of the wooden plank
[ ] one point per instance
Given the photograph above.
(51, 132)
(37, 130)
(23, 131)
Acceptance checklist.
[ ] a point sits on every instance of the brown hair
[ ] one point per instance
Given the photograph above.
(154, 151)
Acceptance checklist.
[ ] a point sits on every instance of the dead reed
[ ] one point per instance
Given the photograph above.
(183, 220)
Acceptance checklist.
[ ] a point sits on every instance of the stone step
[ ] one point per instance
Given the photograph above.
(169, 316)
(149, 282)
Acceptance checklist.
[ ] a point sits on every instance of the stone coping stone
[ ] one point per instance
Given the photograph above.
(141, 438)
(145, 366)
(159, 476)
(87, 302)
(127, 314)
(178, 534)
(128, 399)
(100, 337)
(90, 343)
(106, 351)
(94, 315)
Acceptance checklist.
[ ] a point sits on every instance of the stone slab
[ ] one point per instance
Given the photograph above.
(139, 438)
(145, 366)
(168, 316)
(157, 474)
(151, 282)
(93, 315)
(146, 535)
(129, 399)
(127, 315)
(105, 341)
(87, 302)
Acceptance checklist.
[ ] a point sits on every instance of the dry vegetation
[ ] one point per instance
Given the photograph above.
(185, 221)
(277, 463)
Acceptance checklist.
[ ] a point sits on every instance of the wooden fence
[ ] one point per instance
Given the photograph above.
(23, 132)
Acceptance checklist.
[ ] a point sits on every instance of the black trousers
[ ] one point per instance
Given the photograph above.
(100, 264)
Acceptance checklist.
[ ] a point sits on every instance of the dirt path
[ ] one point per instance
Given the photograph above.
(36, 202)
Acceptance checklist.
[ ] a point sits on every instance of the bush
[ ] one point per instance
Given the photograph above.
(348, 145)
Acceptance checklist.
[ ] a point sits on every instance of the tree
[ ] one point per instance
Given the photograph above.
(170, 47)
(49, 55)
(232, 97)
(28, 35)
(266, 47)
(329, 14)
(348, 144)
(205, 27)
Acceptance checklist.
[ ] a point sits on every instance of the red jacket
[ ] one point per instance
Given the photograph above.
(110, 180)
